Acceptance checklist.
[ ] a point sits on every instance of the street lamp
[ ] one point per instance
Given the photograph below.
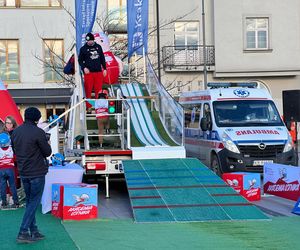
(158, 40)
(204, 47)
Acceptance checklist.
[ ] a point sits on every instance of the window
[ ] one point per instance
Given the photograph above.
(207, 115)
(54, 111)
(257, 33)
(118, 46)
(9, 60)
(53, 60)
(192, 115)
(179, 85)
(248, 113)
(117, 15)
(30, 3)
(7, 3)
(186, 34)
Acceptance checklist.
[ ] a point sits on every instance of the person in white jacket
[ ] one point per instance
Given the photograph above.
(101, 108)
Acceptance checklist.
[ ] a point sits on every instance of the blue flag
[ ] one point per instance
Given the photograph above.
(85, 13)
(137, 26)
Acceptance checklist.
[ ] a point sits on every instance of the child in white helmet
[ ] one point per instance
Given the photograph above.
(7, 171)
(101, 108)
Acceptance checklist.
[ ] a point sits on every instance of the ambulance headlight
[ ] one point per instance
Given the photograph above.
(229, 144)
(289, 145)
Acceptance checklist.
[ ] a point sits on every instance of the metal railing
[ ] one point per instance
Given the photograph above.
(122, 129)
(170, 111)
(178, 56)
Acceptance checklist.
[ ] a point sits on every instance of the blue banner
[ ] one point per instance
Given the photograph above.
(137, 26)
(85, 13)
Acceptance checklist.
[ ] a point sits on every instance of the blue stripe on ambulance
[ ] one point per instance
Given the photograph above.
(208, 138)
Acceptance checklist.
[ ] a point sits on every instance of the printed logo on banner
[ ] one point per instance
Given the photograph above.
(137, 40)
(80, 199)
(247, 184)
(282, 180)
(251, 189)
(56, 200)
(80, 202)
(85, 13)
(233, 182)
(283, 174)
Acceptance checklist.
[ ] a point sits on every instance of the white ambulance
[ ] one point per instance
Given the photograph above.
(235, 127)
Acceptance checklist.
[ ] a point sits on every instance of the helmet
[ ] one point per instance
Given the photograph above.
(103, 93)
(4, 140)
(57, 159)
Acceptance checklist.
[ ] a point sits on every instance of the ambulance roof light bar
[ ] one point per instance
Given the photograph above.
(216, 85)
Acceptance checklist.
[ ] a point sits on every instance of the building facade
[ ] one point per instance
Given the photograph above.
(244, 40)
(35, 40)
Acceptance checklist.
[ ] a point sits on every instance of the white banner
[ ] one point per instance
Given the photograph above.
(282, 180)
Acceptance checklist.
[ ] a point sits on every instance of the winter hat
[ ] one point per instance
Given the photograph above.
(89, 36)
(32, 114)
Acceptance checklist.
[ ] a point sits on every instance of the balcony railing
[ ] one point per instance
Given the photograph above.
(187, 57)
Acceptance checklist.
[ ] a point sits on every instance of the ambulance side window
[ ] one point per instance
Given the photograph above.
(207, 115)
(192, 115)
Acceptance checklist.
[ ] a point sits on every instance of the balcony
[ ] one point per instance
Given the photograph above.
(187, 58)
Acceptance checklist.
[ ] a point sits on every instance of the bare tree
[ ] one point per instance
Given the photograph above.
(107, 24)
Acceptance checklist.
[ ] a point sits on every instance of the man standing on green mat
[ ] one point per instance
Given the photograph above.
(31, 147)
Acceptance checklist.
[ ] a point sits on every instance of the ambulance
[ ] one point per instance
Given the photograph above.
(235, 127)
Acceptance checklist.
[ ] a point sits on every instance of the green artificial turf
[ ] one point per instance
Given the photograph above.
(280, 233)
(56, 236)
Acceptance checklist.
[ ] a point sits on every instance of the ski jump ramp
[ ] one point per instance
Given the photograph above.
(145, 129)
(183, 190)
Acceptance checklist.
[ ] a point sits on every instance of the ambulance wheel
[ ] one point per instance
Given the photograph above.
(215, 165)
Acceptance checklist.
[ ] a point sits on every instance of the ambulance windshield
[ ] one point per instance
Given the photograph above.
(246, 113)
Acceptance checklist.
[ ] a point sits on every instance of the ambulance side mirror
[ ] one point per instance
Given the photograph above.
(204, 124)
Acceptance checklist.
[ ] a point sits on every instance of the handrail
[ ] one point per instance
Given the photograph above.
(64, 113)
(188, 55)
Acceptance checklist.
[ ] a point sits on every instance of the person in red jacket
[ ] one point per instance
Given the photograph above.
(92, 61)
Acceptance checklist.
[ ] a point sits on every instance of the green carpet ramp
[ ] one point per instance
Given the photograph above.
(181, 190)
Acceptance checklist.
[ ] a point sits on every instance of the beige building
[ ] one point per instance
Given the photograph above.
(245, 40)
(35, 35)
